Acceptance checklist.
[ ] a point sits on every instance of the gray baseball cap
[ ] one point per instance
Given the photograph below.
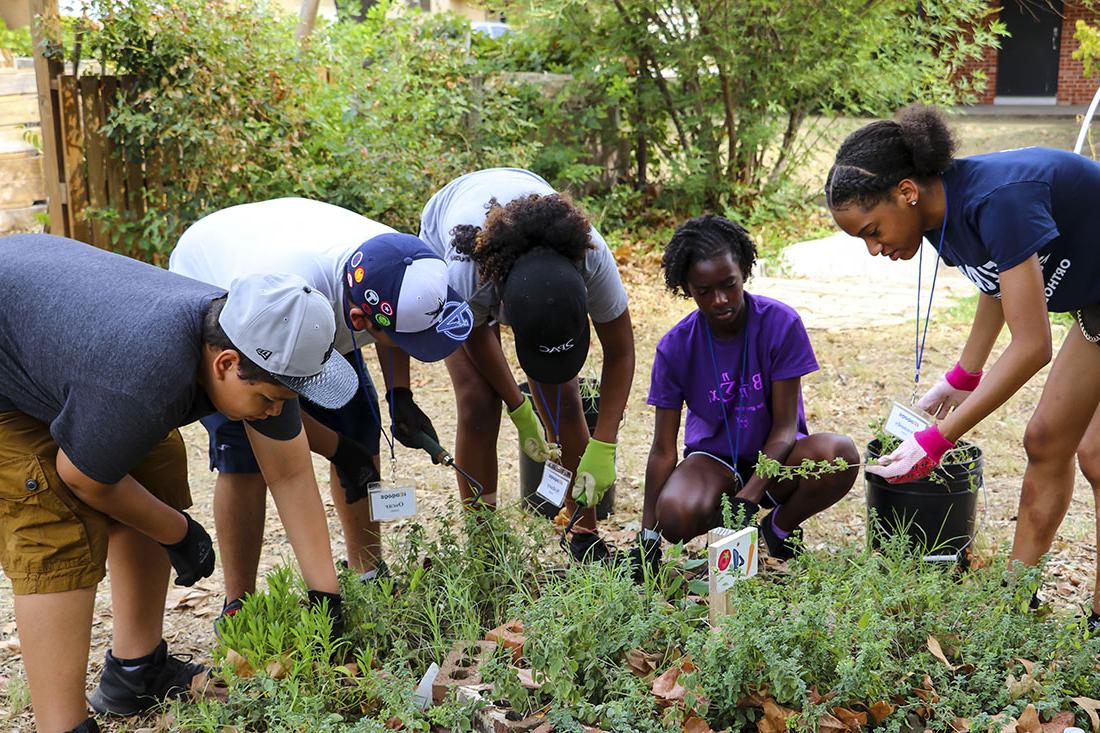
(288, 329)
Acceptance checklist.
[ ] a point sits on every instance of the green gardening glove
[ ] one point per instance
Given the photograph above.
(531, 437)
(595, 473)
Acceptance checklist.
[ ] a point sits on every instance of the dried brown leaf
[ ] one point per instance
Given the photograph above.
(1028, 721)
(641, 663)
(1059, 722)
(11, 644)
(239, 664)
(880, 711)
(278, 668)
(206, 686)
(1092, 709)
(1010, 726)
(852, 719)
(937, 651)
(775, 717)
(960, 725)
(695, 724)
(828, 723)
(666, 687)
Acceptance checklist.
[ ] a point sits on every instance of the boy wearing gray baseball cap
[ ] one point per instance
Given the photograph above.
(382, 287)
(102, 358)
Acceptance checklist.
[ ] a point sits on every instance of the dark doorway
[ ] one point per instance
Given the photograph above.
(1027, 65)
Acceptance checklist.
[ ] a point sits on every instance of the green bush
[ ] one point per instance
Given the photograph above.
(225, 105)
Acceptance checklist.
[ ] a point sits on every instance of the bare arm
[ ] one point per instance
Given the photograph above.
(127, 502)
(288, 471)
(1025, 311)
(395, 366)
(989, 319)
(617, 338)
(484, 350)
(783, 434)
(662, 462)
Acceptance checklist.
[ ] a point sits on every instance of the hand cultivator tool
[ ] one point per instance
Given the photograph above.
(439, 454)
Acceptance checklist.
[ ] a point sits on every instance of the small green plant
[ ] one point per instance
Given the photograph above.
(809, 469)
(731, 518)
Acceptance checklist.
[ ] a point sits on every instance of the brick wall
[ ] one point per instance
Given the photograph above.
(1073, 87)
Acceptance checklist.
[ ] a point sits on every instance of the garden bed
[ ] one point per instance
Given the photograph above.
(846, 640)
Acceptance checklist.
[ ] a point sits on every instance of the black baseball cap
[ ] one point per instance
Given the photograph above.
(545, 301)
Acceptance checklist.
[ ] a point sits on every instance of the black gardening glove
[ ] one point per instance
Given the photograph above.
(193, 556)
(645, 553)
(355, 468)
(409, 420)
(335, 610)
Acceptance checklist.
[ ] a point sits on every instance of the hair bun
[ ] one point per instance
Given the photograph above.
(925, 133)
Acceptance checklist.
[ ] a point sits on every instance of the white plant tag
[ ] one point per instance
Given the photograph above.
(904, 421)
(732, 557)
(423, 694)
(389, 502)
(555, 483)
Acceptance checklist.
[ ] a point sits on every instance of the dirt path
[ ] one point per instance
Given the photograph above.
(863, 368)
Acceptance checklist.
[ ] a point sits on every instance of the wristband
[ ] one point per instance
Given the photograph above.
(959, 378)
(933, 442)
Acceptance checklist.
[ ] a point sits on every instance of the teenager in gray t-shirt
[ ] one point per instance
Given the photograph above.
(524, 256)
(107, 356)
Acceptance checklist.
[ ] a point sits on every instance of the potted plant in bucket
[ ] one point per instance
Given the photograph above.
(938, 513)
(530, 472)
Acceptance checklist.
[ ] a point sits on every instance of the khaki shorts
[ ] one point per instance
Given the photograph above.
(50, 541)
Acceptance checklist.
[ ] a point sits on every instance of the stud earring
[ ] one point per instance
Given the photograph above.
(913, 202)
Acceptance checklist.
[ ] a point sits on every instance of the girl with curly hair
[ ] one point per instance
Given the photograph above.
(737, 362)
(523, 255)
(1022, 226)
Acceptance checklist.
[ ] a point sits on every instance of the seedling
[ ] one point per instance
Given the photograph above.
(809, 469)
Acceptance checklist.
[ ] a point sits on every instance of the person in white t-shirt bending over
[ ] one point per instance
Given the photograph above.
(390, 289)
(524, 255)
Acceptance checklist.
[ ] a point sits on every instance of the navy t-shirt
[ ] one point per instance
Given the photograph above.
(1004, 207)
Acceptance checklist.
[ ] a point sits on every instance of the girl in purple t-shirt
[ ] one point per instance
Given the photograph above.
(737, 362)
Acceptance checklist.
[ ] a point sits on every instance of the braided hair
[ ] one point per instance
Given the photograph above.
(518, 227)
(700, 239)
(873, 159)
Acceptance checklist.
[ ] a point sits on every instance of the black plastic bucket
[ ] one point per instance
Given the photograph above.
(530, 472)
(939, 516)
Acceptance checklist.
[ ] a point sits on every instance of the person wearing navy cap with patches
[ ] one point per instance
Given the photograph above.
(385, 288)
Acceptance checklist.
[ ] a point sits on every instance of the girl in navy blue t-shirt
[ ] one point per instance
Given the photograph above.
(1023, 226)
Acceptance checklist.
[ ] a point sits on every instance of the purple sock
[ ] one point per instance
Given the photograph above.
(780, 533)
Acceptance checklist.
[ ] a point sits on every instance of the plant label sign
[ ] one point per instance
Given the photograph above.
(733, 557)
(904, 421)
(391, 502)
(555, 483)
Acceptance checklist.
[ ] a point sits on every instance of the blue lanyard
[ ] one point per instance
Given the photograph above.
(555, 418)
(733, 443)
(919, 339)
(374, 403)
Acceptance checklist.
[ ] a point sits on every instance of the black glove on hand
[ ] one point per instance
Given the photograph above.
(646, 553)
(193, 556)
(409, 420)
(355, 468)
(335, 609)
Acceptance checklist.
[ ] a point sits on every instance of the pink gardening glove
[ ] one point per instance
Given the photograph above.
(949, 392)
(915, 458)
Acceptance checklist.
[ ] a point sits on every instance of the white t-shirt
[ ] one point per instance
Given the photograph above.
(307, 238)
(463, 201)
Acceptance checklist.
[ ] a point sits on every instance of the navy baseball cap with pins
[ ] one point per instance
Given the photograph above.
(545, 301)
(401, 286)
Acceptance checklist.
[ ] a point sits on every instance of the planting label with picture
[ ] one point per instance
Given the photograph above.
(391, 501)
(904, 421)
(733, 557)
(555, 483)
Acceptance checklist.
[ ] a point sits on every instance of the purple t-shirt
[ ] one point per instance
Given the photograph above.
(683, 372)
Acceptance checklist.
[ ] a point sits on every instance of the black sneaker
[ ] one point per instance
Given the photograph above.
(231, 608)
(1092, 623)
(381, 570)
(134, 690)
(784, 549)
(588, 547)
(88, 726)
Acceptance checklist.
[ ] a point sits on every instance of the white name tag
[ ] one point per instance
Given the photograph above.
(392, 502)
(904, 421)
(555, 483)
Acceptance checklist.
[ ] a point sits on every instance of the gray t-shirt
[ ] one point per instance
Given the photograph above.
(103, 349)
(464, 200)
